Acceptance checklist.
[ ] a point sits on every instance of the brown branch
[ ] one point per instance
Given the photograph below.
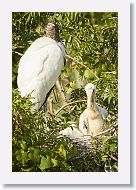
(113, 158)
(112, 113)
(104, 132)
(76, 61)
(69, 104)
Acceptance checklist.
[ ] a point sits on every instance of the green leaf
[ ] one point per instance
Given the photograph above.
(34, 155)
(62, 151)
(23, 145)
(22, 156)
(55, 162)
(88, 74)
(113, 147)
(45, 163)
(27, 169)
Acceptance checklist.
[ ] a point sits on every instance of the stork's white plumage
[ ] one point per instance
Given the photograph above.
(91, 121)
(40, 66)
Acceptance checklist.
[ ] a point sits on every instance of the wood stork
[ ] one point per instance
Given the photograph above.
(91, 121)
(40, 67)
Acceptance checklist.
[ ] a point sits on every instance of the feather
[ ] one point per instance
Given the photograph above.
(39, 68)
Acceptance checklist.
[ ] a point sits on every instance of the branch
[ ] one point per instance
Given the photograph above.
(112, 113)
(20, 54)
(68, 104)
(113, 158)
(76, 61)
(104, 132)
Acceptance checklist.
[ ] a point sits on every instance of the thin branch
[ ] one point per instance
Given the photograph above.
(113, 158)
(112, 113)
(20, 54)
(76, 61)
(69, 104)
(104, 132)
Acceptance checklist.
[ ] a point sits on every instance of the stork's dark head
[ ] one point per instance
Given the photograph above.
(52, 31)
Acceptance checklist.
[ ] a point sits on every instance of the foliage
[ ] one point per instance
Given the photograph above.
(92, 38)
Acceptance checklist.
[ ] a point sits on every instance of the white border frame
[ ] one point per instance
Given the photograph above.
(123, 174)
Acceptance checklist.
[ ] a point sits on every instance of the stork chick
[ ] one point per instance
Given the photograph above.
(91, 121)
(72, 132)
(40, 67)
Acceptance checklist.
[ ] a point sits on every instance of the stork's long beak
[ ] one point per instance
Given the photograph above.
(90, 91)
(91, 98)
(92, 95)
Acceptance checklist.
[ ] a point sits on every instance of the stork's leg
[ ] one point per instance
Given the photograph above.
(45, 106)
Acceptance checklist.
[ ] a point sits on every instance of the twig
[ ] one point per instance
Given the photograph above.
(20, 54)
(113, 158)
(104, 132)
(69, 104)
(76, 61)
(112, 113)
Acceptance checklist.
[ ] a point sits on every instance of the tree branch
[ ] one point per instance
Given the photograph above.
(68, 104)
(113, 158)
(20, 54)
(104, 132)
(76, 61)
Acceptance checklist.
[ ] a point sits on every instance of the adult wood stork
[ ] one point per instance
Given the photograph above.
(91, 121)
(40, 67)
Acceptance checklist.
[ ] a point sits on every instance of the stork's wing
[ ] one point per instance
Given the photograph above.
(83, 123)
(103, 112)
(39, 69)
